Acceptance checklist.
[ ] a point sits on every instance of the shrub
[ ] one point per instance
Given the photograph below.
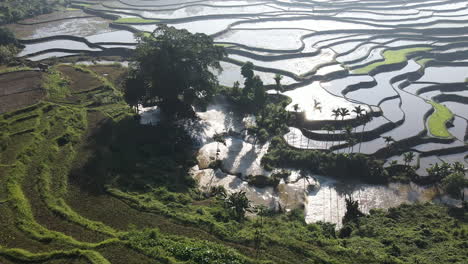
(7, 53)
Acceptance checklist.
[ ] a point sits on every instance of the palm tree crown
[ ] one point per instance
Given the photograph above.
(343, 112)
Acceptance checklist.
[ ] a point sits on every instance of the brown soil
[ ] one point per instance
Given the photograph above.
(20, 89)
(80, 81)
(54, 16)
(113, 73)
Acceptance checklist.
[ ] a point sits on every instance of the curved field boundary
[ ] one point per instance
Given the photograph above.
(438, 120)
(55, 20)
(365, 136)
(394, 58)
(25, 256)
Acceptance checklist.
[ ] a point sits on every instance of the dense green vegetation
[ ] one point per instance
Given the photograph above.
(390, 57)
(14, 10)
(8, 46)
(437, 122)
(173, 70)
(250, 98)
(270, 110)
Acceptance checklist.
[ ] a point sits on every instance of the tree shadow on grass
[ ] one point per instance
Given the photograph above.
(135, 157)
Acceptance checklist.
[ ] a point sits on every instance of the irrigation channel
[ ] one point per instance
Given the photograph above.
(401, 61)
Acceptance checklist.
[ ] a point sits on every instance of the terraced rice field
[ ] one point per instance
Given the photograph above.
(404, 62)
(397, 59)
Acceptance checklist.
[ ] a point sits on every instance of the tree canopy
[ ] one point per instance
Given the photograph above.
(7, 37)
(14, 10)
(176, 69)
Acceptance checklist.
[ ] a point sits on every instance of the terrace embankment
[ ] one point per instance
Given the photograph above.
(20, 89)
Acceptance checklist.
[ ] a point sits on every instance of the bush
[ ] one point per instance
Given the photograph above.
(12, 11)
(7, 54)
(7, 37)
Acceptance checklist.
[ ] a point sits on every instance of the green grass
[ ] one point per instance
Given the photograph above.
(224, 45)
(26, 256)
(135, 20)
(83, 5)
(56, 85)
(437, 122)
(424, 61)
(41, 139)
(14, 69)
(390, 57)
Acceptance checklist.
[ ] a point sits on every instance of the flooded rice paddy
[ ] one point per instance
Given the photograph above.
(331, 52)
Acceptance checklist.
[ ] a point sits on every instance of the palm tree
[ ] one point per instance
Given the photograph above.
(439, 171)
(408, 157)
(458, 167)
(296, 108)
(388, 140)
(348, 131)
(328, 128)
(344, 112)
(358, 110)
(332, 129)
(261, 211)
(351, 142)
(317, 105)
(336, 113)
(278, 87)
(305, 177)
(366, 119)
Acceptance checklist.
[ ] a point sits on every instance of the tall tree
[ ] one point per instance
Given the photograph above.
(352, 210)
(336, 113)
(278, 86)
(239, 204)
(455, 184)
(305, 178)
(344, 112)
(458, 167)
(329, 129)
(7, 37)
(134, 88)
(439, 171)
(366, 119)
(296, 107)
(388, 140)
(176, 66)
(348, 131)
(408, 157)
(248, 73)
(259, 92)
(358, 110)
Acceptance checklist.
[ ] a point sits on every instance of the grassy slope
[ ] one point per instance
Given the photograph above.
(390, 57)
(438, 120)
(40, 144)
